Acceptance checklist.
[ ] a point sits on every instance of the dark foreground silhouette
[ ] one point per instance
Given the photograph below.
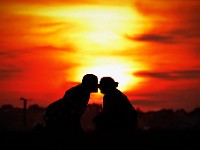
(160, 130)
(144, 140)
(118, 115)
(63, 117)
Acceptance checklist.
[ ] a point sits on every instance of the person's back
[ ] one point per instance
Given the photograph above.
(118, 115)
(63, 115)
(52, 116)
(75, 100)
(118, 107)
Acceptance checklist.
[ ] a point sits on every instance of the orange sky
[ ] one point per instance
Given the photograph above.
(150, 47)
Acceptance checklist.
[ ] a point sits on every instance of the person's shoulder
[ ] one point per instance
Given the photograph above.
(51, 107)
(55, 103)
(73, 91)
(119, 93)
(74, 88)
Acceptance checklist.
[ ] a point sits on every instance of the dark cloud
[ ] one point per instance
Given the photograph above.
(10, 66)
(173, 75)
(186, 33)
(175, 96)
(11, 54)
(147, 102)
(181, 17)
(171, 37)
(197, 51)
(152, 38)
(51, 48)
(9, 72)
(6, 54)
(168, 7)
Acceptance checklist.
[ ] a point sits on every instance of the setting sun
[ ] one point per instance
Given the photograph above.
(119, 69)
(97, 31)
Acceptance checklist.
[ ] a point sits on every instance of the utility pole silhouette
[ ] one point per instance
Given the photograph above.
(24, 111)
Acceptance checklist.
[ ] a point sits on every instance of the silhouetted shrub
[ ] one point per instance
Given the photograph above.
(7, 107)
(35, 107)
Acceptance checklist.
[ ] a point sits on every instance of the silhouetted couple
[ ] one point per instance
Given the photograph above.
(118, 115)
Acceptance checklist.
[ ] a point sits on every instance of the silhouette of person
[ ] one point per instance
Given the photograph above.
(64, 115)
(118, 116)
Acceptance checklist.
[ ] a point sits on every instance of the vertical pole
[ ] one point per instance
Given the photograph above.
(25, 103)
(24, 111)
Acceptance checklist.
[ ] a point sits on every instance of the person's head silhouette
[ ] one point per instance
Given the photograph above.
(90, 82)
(107, 84)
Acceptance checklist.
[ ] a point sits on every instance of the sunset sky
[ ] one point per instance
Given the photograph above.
(151, 47)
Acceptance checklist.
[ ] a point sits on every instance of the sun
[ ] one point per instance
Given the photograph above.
(121, 70)
(117, 72)
(98, 41)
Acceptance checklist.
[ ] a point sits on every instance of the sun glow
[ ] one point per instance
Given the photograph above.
(91, 35)
(119, 69)
(118, 72)
(96, 27)
(104, 28)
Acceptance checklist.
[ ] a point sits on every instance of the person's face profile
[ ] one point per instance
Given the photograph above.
(94, 87)
(101, 87)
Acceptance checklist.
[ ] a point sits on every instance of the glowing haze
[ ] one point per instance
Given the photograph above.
(150, 47)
